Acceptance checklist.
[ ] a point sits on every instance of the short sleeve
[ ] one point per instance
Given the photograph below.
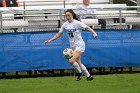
(62, 29)
(82, 25)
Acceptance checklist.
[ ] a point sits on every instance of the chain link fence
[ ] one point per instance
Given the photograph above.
(50, 17)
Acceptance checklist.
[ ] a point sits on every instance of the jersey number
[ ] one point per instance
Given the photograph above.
(71, 35)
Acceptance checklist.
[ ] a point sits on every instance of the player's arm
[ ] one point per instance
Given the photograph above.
(53, 38)
(91, 30)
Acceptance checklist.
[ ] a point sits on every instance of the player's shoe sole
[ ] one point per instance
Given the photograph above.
(90, 78)
(79, 77)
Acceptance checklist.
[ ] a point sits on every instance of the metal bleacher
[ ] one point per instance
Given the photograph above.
(48, 15)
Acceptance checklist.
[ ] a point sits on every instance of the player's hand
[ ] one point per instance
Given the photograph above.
(95, 35)
(47, 41)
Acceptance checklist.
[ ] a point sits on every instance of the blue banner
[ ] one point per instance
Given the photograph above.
(27, 51)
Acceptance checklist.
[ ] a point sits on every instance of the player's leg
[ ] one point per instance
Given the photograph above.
(77, 66)
(84, 69)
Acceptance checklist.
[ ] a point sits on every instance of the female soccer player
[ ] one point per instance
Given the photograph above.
(73, 27)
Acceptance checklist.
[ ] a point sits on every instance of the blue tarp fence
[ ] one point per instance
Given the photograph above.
(27, 51)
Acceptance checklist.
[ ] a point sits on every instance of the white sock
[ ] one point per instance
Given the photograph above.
(77, 67)
(84, 70)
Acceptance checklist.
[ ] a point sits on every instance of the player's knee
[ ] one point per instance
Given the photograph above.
(72, 60)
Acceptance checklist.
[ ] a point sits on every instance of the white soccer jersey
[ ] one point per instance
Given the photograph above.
(73, 31)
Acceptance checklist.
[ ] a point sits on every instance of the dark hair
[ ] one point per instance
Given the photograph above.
(73, 14)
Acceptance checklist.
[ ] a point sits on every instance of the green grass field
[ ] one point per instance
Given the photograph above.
(115, 83)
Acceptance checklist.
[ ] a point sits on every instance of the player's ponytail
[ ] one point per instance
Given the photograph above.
(73, 14)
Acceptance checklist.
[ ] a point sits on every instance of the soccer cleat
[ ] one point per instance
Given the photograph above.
(90, 78)
(79, 77)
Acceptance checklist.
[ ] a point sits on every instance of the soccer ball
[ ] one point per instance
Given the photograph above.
(68, 53)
